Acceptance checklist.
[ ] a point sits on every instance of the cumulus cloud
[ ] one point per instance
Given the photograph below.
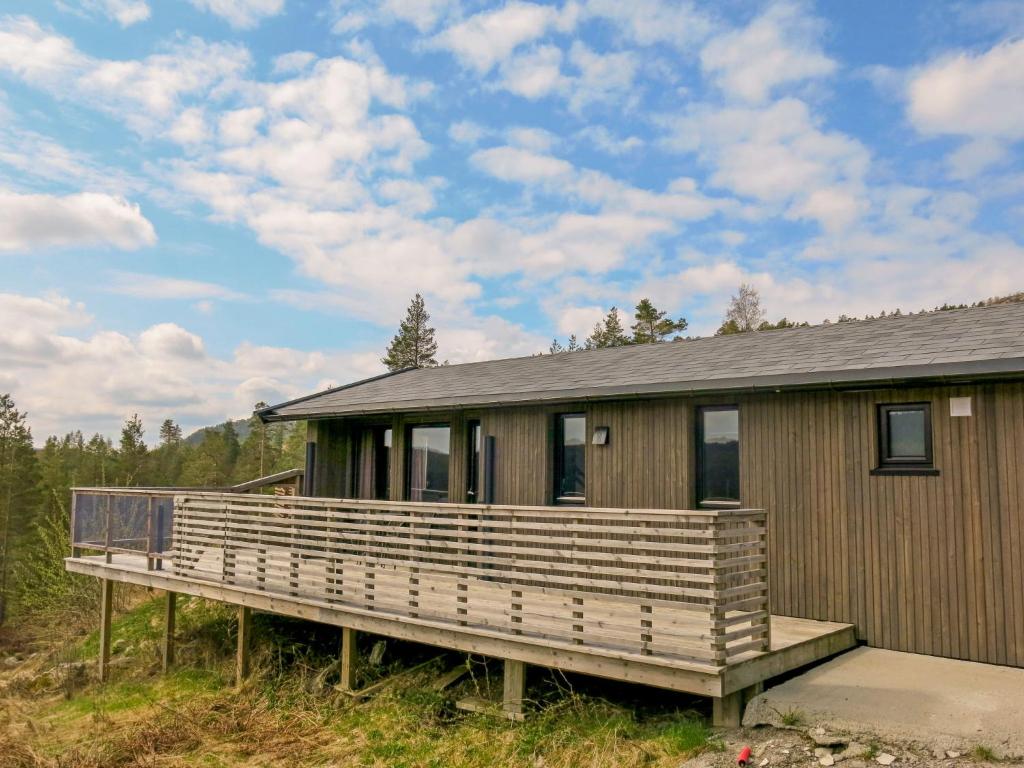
(779, 47)
(779, 155)
(85, 219)
(488, 38)
(49, 346)
(971, 95)
(145, 92)
(243, 14)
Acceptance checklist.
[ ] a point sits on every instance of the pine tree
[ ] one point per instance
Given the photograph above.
(653, 325)
(744, 313)
(170, 433)
(19, 482)
(166, 460)
(414, 345)
(260, 453)
(132, 452)
(608, 333)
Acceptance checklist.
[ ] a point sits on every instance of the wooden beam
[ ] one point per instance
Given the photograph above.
(677, 676)
(727, 711)
(169, 621)
(514, 693)
(106, 609)
(242, 667)
(349, 658)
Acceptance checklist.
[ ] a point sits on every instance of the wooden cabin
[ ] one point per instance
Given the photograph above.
(698, 515)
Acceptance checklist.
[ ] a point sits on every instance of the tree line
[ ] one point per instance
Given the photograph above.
(35, 488)
(415, 344)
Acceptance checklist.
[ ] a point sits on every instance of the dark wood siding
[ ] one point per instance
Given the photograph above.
(928, 564)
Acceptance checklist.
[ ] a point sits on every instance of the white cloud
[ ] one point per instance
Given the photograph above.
(290, 63)
(190, 127)
(171, 341)
(600, 138)
(534, 73)
(145, 286)
(243, 14)
(84, 219)
(971, 95)
(124, 12)
(147, 93)
(778, 155)
(49, 346)
(975, 157)
(488, 38)
(779, 47)
(521, 165)
(647, 22)
(466, 132)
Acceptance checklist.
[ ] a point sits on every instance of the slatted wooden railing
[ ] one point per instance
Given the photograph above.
(688, 586)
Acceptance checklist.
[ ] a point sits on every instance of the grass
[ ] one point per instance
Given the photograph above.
(984, 754)
(285, 717)
(792, 717)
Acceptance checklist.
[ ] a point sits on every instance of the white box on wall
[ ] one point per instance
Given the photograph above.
(959, 406)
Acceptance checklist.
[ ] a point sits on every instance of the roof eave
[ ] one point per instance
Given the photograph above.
(942, 373)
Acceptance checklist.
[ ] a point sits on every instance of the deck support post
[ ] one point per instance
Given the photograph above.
(106, 609)
(727, 711)
(349, 658)
(244, 643)
(169, 620)
(515, 689)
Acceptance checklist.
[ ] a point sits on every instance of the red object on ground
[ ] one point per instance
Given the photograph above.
(744, 756)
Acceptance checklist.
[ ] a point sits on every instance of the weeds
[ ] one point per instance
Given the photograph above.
(287, 716)
(791, 718)
(984, 754)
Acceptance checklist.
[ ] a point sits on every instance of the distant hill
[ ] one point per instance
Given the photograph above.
(241, 427)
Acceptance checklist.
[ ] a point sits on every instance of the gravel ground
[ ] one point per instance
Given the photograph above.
(814, 746)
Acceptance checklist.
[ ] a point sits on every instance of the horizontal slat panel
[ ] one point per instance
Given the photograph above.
(655, 582)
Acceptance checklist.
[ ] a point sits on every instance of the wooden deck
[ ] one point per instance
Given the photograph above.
(676, 600)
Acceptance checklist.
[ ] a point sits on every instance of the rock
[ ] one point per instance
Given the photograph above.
(854, 749)
(824, 739)
(119, 645)
(951, 754)
(764, 762)
(827, 759)
(885, 759)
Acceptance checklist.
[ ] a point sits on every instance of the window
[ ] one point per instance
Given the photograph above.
(473, 440)
(382, 463)
(570, 458)
(718, 456)
(905, 439)
(428, 462)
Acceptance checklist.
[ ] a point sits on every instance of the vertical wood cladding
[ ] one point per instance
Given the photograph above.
(928, 564)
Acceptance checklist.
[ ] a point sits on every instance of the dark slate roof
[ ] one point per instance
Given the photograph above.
(976, 342)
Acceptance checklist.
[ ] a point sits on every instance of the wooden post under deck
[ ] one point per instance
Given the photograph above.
(727, 711)
(169, 620)
(244, 643)
(349, 657)
(106, 608)
(514, 689)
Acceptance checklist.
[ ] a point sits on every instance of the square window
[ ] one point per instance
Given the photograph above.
(905, 436)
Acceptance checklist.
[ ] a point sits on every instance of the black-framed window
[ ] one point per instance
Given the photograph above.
(570, 458)
(382, 463)
(474, 440)
(718, 455)
(428, 459)
(905, 438)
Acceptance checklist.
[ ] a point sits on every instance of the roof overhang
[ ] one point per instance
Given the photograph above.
(874, 378)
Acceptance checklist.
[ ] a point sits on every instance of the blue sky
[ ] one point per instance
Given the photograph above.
(205, 203)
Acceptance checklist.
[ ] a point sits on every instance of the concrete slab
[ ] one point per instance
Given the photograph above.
(938, 703)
